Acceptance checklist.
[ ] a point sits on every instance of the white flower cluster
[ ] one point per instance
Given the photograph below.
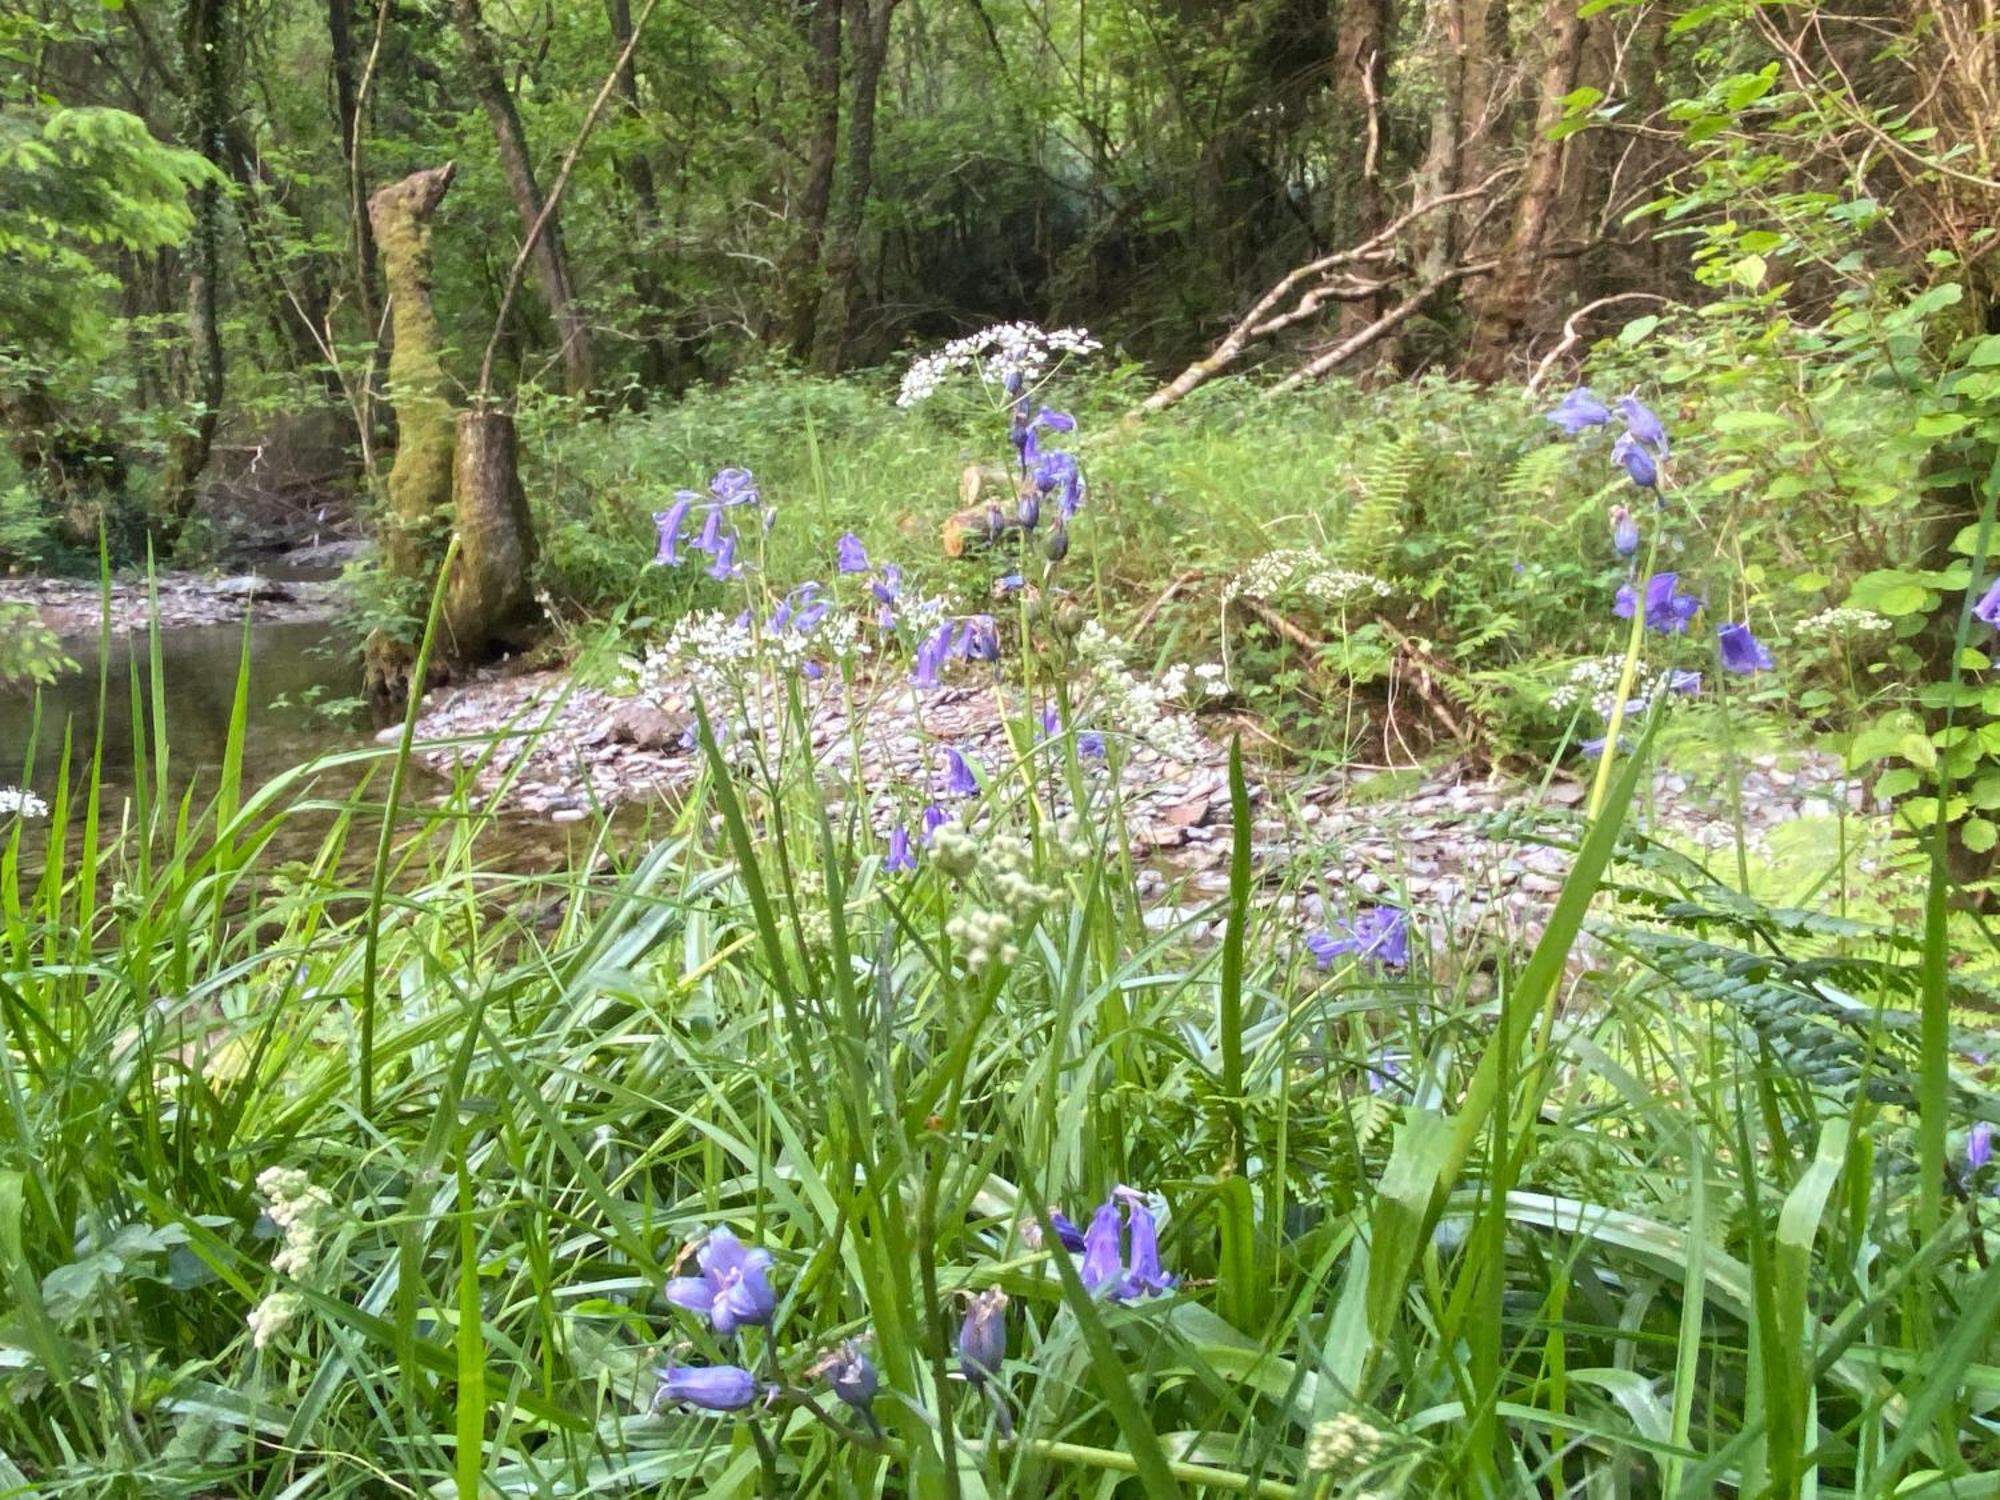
(989, 935)
(1341, 1443)
(15, 799)
(1595, 682)
(1147, 708)
(1310, 574)
(273, 1316)
(1209, 679)
(996, 352)
(295, 1206)
(1844, 621)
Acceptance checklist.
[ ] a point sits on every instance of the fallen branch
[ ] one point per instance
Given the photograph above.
(1573, 332)
(1259, 320)
(1394, 318)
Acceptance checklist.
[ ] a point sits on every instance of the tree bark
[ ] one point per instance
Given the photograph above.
(347, 105)
(660, 364)
(870, 38)
(205, 61)
(821, 20)
(420, 479)
(1360, 68)
(490, 602)
(1507, 305)
(550, 262)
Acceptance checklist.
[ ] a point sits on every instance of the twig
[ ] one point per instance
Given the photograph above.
(1572, 332)
(1146, 616)
(1389, 321)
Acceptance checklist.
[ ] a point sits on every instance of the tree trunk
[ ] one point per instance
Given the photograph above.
(870, 35)
(550, 263)
(420, 480)
(1360, 66)
(490, 602)
(661, 366)
(1509, 300)
(205, 59)
(347, 105)
(802, 270)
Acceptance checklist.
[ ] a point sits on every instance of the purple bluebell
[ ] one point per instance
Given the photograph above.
(734, 487)
(979, 639)
(931, 655)
(1742, 653)
(1010, 582)
(711, 1387)
(853, 1376)
(1059, 472)
(732, 1288)
(959, 780)
(1055, 547)
(900, 859)
(1578, 410)
(1595, 748)
(1088, 741)
(670, 521)
(1143, 1275)
(1641, 423)
(1987, 610)
(1668, 610)
(1637, 460)
(935, 817)
(1380, 935)
(1979, 1145)
(725, 565)
(1684, 682)
(1030, 513)
(849, 555)
(1068, 1235)
(1624, 531)
(711, 531)
(1102, 1268)
(1012, 382)
(982, 1337)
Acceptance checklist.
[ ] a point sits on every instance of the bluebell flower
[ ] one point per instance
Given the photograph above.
(1741, 651)
(670, 521)
(1067, 1234)
(1088, 741)
(711, 1387)
(725, 565)
(1379, 935)
(1678, 681)
(711, 531)
(978, 639)
(1103, 1263)
(1595, 748)
(853, 1376)
(1058, 472)
(900, 859)
(931, 655)
(1987, 610)
(1637, 461)
(732, 1288)
(1979, 1146)
(734, 487)
(935, 817)
(958, 778)
(1030, 513)
(982, 1337)
(1143, 1275)
(1668, 610)
(1578, 410)
(1009, 583)
(1012, 382)
(850, 555)
(1055, 547)
(1641, 423)
(1624, 531)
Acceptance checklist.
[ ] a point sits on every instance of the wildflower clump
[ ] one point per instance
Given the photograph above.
(1311, 575)
(297, 1207)
(1021, 350)
(1149, 707)
(1844, 620)
(988, 934)
(1341, 1443)
(18, 802)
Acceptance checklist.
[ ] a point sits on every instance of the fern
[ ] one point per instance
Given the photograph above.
(1376, 522)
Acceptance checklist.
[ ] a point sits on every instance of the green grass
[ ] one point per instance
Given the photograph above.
(1670, 1201)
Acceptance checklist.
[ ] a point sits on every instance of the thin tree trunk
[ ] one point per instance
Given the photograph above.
(660, 364)
(205, 61)
(1360, 67)
(1508, 303)
(802, 267)
(550, 263)
(347, 105)
(870, 36)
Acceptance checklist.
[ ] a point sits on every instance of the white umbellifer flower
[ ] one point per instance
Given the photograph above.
(1213, 677)
(293, 1204)
(14, 799)
(1844, 621)
(1119, 697)
(1340, 1443)
(272, 1316)
(996, 352)
(1312, 575)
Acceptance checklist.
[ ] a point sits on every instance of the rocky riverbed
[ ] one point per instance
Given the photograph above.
(1423, 837)
(74, 607)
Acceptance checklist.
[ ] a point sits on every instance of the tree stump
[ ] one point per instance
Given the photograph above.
(490, 602)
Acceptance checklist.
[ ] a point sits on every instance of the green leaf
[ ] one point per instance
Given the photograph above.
(1978, 834)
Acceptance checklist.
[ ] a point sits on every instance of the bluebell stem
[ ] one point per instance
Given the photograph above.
(1741, 651)
(711, 1387)
(732, 1288)
(850, 555)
